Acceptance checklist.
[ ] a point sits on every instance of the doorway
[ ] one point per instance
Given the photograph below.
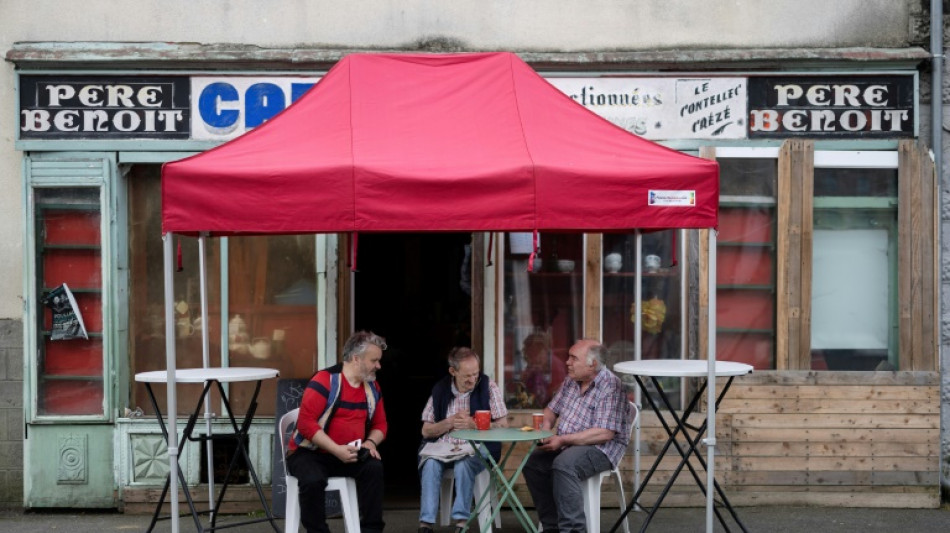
(414, 289)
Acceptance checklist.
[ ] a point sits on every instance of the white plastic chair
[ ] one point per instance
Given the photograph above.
(592, 488)
(482, 482)
(346, 486)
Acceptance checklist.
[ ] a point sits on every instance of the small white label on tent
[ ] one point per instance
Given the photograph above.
(672, 198)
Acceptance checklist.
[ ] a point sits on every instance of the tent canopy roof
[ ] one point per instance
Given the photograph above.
(436, 142)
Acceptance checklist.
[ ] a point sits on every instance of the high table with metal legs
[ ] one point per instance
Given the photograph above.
(497, 469)
(680, 368)
(209, 376)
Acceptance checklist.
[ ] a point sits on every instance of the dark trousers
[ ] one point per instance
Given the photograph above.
(556, 482)
(312, 470)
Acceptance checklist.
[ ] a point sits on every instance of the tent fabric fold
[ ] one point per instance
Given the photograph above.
(435, 142)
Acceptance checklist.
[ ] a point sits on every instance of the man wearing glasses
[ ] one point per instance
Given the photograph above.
(451, 406)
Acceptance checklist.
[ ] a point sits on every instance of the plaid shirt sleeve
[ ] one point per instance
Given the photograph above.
(557, 402)
(497, 401)
(428, 414)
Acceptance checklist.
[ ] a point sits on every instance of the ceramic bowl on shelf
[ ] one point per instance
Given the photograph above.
(538, 265)
(565, 265)
(613, 262)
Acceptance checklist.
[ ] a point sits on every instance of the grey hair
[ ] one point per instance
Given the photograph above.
(597, 352)
(459, 354)
(359, 342)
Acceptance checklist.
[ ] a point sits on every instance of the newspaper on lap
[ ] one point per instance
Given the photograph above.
(445, 451)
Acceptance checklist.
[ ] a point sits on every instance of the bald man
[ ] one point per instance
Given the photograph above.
(590, 415)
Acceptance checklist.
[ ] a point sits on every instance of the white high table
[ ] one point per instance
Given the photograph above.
(680, 368)
(209, 376)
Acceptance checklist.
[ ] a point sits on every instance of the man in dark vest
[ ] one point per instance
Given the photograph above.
(451, 406)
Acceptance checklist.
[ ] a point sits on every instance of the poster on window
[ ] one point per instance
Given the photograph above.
(67, 320)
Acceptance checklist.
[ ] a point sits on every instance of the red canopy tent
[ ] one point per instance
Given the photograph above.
(426, 142)
(459, 142)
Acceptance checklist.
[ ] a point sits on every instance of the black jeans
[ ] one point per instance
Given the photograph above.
(312, 470)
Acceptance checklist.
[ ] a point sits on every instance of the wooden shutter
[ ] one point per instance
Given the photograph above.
(917, 245)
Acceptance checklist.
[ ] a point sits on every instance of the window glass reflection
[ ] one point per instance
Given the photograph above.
(543, 316)
(745, 262)
(271, 310)
(854, 270)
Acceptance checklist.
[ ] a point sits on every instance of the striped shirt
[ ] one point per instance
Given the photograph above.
(460, 403)
(603, 405)
(348, 422)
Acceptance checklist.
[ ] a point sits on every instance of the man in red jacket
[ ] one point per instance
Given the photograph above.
(339, 428)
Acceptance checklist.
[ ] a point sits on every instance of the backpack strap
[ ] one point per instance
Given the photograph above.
(372, 398)
(333, 396)
(331, 400)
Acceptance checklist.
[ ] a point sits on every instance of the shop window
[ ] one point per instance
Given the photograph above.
(745, 261)
(543, 315)
(661, 311)
(69, 372)
(271, 304)
(854, 269)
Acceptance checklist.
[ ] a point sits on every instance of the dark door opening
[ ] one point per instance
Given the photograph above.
(409, 288)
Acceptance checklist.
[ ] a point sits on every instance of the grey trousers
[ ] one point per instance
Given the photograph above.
(556, 481)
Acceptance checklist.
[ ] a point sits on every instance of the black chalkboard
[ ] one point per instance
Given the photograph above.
(289, 393)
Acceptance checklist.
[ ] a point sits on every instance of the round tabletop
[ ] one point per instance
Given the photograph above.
(500, 434)
(681, 368)
(200, 375)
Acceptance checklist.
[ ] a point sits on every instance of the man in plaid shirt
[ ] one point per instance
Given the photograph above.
(591, 415)
(454, 400)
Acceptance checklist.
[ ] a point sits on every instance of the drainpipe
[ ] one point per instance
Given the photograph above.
(936, 107)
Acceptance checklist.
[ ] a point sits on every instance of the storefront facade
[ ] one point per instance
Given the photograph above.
(827, 259)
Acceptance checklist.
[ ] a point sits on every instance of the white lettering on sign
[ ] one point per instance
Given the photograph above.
(849, 106)
(98, 120)
(832, 95)
(78, 107)
(818, 120)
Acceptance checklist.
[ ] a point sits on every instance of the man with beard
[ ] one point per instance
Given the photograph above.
(339, 428)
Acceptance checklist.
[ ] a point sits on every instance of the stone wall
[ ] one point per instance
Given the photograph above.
(11, 413)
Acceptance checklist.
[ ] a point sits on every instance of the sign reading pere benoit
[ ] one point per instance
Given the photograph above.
(100, 107)
(831, 106)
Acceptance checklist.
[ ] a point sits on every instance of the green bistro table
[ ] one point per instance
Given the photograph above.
(497, 469)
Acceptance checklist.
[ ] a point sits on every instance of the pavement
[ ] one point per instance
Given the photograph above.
(668, 520)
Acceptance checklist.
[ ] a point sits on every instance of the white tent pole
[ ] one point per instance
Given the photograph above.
(206, 362)
(684, 304)
(637, 348)
(224, 299)
(710, 439)
(170, 356)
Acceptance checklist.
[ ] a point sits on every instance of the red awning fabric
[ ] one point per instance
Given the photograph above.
(436, 142)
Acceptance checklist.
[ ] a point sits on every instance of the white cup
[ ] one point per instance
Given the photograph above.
(651, 263)
(613, 262)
